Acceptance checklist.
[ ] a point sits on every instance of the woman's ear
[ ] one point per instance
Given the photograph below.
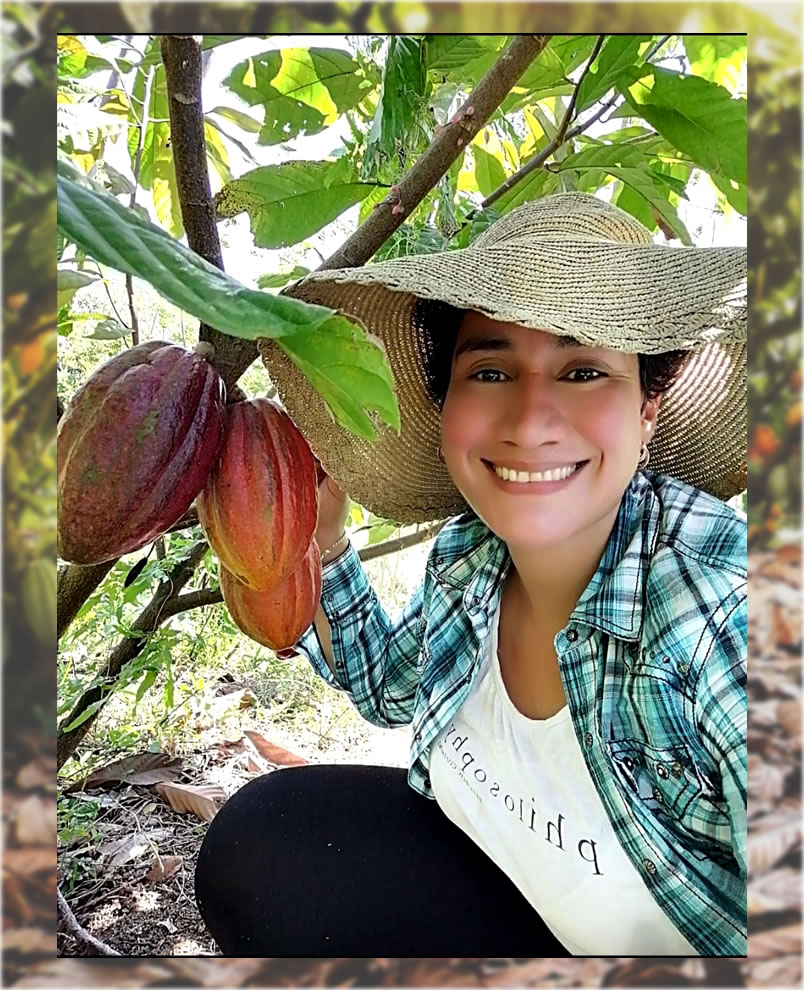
(650, 415)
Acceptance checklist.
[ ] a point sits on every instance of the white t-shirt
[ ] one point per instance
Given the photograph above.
(520, 789)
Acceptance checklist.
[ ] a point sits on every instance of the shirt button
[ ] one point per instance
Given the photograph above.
(418, 736)
(683, 667)
(572, 635)
(657, 795)
(629, 763)
(661, 770)
(677, 770)
(634, 650)
(649, 866)
(588, 739)
(427, 783)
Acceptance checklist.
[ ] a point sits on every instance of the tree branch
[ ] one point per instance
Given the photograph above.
(442, 152)
(151, 617)
(79, 933)
(558, 139)
(181, 55)
(562, 134)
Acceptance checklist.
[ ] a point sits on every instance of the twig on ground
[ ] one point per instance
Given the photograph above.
(79, 933)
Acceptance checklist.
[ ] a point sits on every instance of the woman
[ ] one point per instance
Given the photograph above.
(573, 664)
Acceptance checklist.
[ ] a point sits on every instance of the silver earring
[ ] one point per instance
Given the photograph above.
(440, 455)
(644, 457)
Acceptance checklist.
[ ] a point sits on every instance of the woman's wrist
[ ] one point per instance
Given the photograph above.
(334, 549)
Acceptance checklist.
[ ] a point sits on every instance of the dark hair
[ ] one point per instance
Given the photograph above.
(437, 325)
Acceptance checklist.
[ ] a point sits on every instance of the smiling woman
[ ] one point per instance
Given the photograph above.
(573, 664)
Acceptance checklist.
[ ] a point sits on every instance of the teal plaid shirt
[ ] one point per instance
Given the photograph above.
(653, 662)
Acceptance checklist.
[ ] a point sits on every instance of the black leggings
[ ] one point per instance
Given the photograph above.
(350, 861)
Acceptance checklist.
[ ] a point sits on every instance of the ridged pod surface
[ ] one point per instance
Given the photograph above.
(135, 447)
(259, 508)
(277, 617)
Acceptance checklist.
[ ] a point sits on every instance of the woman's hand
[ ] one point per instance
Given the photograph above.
(333, 510)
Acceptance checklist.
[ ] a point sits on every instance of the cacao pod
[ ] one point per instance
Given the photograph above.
(277, 617)
(135, 447)
(38, 596)
(259, 508)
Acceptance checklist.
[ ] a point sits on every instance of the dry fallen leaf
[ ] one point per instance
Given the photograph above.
(202, 800)
(779, 890)
(164, 868)
(35, 821)
(141, 768)
(32, 775)
(275, 754)
(776, 942)
(29, 859)
(28, 940)
(123, 850)
(767, 847)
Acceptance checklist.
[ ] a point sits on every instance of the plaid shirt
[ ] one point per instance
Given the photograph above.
(653, 662)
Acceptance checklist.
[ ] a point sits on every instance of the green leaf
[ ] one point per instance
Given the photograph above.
(108, 329)
(717, 57)
(446, 53)
(633, 168)
(489, 171)
(632, 202)
(87, 713)
(699, 118)
(279, 279)
(736, 193)
(145, 684)
(301, 90)
(244, 150)
(320, 343)
(539, 183)
(68, 282)
(287, 203)
(237, 117)
(619, 53)
(336, 361)
(395, 136)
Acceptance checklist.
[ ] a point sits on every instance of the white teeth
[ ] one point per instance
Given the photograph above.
(556, 474)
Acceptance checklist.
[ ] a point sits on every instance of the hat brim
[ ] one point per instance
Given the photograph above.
(636, 298)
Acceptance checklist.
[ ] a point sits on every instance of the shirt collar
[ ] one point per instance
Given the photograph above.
(613, 601)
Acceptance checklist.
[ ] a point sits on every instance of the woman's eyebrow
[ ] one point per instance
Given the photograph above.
(473, 344)
(483, 344)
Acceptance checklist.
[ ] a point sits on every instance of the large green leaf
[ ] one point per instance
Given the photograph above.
(302, 90)
(618, 54)
(349, 370)
(289, 202)
(632, 168)
(447, 54)
(489, 171)
(698, 117)
(717, 57)
(539, 183)
(395, 136)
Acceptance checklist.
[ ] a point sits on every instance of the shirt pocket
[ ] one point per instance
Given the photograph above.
(662, 780)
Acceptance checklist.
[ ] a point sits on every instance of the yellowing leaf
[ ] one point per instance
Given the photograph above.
(202, 801)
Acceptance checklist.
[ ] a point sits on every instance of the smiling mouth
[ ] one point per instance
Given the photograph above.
(559, 473)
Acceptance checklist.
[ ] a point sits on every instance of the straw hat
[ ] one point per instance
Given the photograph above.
(570, 264)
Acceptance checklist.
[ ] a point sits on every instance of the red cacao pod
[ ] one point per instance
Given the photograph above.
(277, 617)
(259, 508)
(135, 447)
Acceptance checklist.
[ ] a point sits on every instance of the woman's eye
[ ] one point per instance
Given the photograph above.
(584, 375)
(487, 375)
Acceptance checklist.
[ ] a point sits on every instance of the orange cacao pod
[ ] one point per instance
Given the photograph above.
(259, 508)
(277, 617)
(135, 447)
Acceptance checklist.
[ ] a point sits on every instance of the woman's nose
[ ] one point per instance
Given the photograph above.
(532, 413)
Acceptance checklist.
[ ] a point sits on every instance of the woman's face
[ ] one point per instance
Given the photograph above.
(542, 434)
